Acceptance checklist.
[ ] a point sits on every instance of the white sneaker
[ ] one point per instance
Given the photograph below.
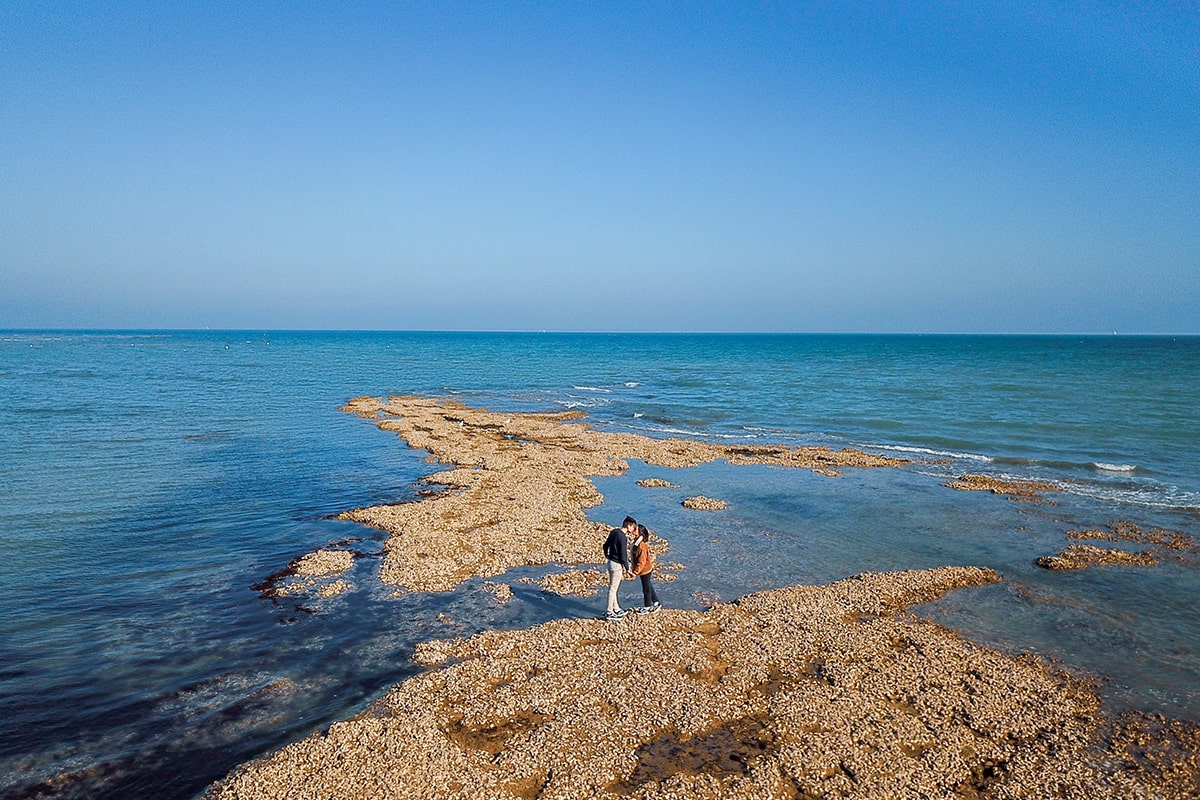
(615, 615)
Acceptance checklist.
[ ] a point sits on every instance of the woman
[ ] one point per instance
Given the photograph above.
(643, 565)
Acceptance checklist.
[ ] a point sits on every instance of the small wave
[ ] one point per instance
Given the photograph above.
(1040, 463)
(1148, 495)
(925, 451)
(1099, 465)
(675, 431)
(804, 438)
(631, 384)
(591, 389)
(1069, 466)
(33, 337)
(1132, 492)
(756, 432)
(637, 415)
(690, 433)
(579, 403)
(568, 400)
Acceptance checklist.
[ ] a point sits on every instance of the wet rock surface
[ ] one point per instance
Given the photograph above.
(1030, 491)
(311, 574)
(1080, 556)
(1123, 530)
(1163, 544)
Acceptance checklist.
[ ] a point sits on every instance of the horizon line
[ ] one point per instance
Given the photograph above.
(698, 332)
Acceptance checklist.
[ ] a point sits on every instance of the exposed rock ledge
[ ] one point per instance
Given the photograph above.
(1081, 556)
(793, 693)
(702, 503)
(656, 483)
(1016, 490)
(521, 484)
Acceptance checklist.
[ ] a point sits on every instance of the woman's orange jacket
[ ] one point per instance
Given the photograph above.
(643, 559)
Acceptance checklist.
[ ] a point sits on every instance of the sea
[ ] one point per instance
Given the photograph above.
(151, 481)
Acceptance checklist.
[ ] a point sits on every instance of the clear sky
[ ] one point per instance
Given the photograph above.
(808, 166)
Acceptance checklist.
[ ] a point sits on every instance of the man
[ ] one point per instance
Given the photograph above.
(616, 551)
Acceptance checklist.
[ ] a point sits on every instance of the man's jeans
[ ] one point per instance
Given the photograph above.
(615, 573)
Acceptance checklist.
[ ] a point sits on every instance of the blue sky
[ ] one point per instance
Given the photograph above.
(895, 167)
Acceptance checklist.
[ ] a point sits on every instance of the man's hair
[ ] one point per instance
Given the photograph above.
(629, 521)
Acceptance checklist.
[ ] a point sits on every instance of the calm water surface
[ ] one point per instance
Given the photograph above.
(149, 479)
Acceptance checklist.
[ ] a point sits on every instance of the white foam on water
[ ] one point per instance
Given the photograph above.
(925, 451)
(1114, 467)
(1148, 496)
(690, 433)
(580, 403)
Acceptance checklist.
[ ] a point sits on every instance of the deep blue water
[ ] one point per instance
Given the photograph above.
(149, 479)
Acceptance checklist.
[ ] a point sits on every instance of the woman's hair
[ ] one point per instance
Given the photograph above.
(643, 531)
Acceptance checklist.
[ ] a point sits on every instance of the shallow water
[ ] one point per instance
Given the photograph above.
(148, 480)
(1135, 627)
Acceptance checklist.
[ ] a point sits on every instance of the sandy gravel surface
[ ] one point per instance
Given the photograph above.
(802, 692)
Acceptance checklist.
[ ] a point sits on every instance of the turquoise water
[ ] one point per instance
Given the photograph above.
(149, 479)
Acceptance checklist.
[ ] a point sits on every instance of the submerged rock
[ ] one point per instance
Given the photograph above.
(1016, 490)
(1080, 556)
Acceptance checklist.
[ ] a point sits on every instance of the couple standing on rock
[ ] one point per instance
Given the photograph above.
(618, 550)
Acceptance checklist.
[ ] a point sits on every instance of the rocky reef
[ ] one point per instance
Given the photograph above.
(807, 691)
